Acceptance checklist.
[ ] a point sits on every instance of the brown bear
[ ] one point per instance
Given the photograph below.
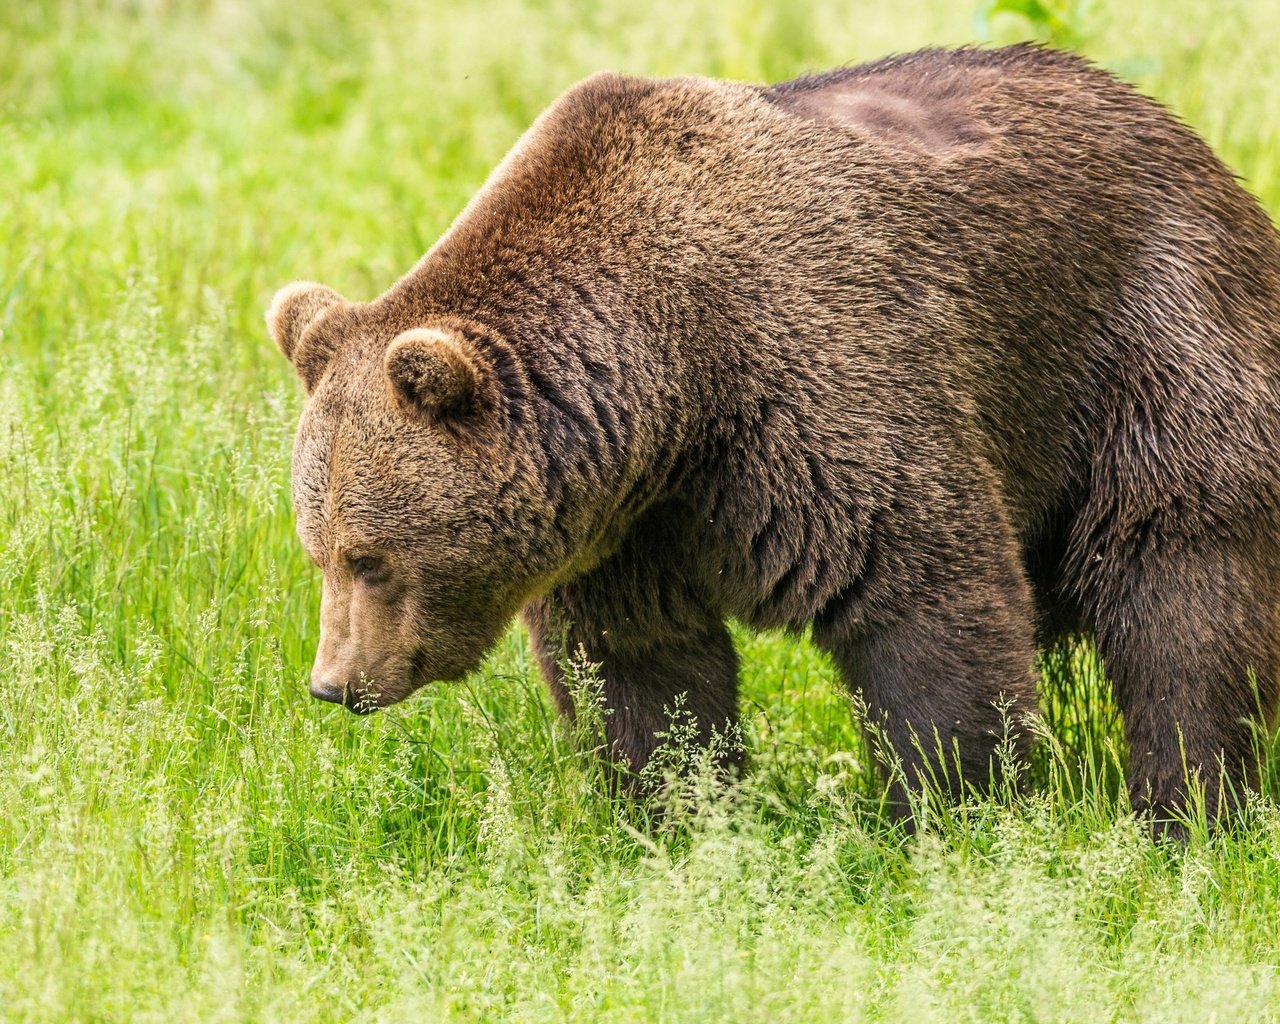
(946, 356)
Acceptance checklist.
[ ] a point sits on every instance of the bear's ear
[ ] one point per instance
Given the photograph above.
(438, 374)
(295, 308)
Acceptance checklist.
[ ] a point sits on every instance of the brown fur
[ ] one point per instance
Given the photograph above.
(949, 356)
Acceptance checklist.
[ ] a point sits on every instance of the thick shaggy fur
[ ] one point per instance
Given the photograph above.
(949, 356)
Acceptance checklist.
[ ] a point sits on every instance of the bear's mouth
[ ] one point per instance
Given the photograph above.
(357, 698)
(361, 701)
(367, 695)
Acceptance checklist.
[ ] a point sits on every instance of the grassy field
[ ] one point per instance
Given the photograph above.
(186, 836)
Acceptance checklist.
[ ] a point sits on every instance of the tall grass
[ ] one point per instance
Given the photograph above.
(185, 835)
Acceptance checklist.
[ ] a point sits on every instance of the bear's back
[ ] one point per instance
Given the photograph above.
(1017, 226)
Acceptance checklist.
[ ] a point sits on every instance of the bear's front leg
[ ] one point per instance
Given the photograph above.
(648, 666)
(948, 677)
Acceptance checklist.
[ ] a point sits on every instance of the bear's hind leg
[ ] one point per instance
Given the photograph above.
(1189, 631)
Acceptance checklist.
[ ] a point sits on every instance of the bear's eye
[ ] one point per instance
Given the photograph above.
(367, 568)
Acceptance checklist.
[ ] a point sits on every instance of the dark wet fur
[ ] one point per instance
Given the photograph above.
(949, 356)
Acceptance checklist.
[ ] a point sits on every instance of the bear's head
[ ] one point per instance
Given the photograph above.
(407, 494)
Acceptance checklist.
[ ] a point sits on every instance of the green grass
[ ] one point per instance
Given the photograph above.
(186, 836)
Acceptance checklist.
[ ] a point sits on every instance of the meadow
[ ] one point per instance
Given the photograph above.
(185, 835)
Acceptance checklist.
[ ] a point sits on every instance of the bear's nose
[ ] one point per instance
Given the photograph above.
(334, 693)
(360, 703)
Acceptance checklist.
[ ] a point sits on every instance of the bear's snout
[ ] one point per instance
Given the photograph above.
(356, 699)
(335, 693)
